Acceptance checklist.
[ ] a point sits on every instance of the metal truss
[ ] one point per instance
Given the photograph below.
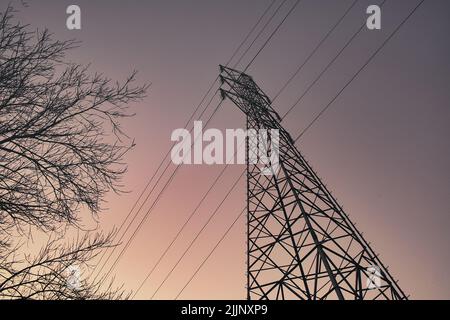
(301, 243)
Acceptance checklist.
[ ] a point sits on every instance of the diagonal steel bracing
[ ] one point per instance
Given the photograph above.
(301, 244)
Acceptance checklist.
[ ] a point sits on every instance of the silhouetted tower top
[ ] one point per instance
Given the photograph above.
(301, 243)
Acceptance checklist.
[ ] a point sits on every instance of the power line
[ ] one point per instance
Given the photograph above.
(221, 173)
(198, 234)
(261, 31)
(211, 252)
(144, 219)
(180, 230)
(314, 50)
(146, 188)
(272, 34)
(302, 133)
(161, 192)
(358, 72)
(329, 65)
(218, 177)
(264, 45)
(216, 180)
(168, 152)
(248, 34)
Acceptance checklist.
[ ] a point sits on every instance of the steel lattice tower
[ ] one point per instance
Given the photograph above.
(301, 243)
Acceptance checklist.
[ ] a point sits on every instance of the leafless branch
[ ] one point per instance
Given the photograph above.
(57, 153)
(61, 150)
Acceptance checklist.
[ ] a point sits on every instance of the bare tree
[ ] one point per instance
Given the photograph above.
(56, 272)
(61, 150)
(55, 156)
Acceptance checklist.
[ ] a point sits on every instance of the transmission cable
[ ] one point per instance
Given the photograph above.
(313, 52)
(223, 170)
(329, 65)
(273, 33)
(261, 31)
(187, 123)
(302, 133)
(161, 192)
(212, 85)
(264, 45)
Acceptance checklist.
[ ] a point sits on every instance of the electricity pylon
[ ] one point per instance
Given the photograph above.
(301, 243)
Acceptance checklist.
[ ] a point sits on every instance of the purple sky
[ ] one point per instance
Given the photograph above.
(382, 147)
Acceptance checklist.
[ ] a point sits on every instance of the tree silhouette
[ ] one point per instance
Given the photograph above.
(49, 275)
(61, 151)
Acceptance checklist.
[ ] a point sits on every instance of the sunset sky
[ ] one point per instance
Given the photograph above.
(382, 148)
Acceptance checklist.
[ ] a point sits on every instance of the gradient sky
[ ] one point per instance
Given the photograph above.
(382, 147)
